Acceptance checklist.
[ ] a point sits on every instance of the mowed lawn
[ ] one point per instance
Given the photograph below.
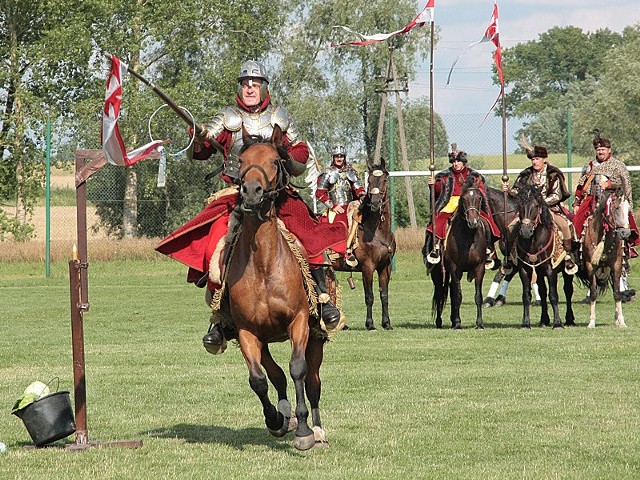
(415, 402)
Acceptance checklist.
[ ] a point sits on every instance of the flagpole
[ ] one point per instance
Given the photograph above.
(172, 105)
(432, 154)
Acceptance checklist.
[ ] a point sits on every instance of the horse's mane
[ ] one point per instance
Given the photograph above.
(250, 140)
(526, 194)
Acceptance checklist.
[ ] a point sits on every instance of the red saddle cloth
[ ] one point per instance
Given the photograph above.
(194, 243)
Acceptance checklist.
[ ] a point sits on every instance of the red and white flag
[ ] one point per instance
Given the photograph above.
(491, 34)
(112, 144)
(426, 15)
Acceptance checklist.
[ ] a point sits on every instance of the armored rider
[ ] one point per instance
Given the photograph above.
(339, 185)
(199, 242)
(550, 181)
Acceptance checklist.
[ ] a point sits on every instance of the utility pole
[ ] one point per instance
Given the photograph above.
(392, 78)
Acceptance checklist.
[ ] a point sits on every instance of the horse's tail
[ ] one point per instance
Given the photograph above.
(602, 284)
(438, 302)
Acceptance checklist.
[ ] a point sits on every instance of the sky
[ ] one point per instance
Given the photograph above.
(463, 22)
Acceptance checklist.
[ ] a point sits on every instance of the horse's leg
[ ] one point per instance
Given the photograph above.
(251, 350)
(439, 294)
(593, 294)
(617, 294)
(569, 318)
(478, 296)
(367, 283)
(493, 289)
(554, 297)
(456, 301)
(544, 305)
(279, 380)
(315, 353)
(384, 276)
(526, 297)
(299, 335)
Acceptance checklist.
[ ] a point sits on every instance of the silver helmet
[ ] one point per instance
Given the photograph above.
(252, 69)
(338, 150)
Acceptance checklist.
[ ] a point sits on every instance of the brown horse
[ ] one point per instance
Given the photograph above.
(602, 250)
(376, 243)
(534, 247)
(266, 296)
(465, 250)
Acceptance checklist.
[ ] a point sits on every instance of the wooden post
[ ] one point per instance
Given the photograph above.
(79, 294)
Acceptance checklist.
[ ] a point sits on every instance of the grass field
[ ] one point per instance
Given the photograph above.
(415, 402)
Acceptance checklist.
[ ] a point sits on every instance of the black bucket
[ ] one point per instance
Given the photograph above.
(49, 418)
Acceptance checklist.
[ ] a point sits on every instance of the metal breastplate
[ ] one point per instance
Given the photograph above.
(339, 188)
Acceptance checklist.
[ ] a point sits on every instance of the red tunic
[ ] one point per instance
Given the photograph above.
(442, 218)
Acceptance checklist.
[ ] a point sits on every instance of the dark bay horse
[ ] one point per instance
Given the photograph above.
(602, 250)
(465, 250)
(535, 246)
(376, 243)
(266, 296)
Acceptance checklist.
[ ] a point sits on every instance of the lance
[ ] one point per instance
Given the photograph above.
(505, 176)
(432, 153)
(198, 129)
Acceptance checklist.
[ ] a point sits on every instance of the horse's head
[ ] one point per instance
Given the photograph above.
(472, 200)
(532, 210)
(378, 180)
(262, 173)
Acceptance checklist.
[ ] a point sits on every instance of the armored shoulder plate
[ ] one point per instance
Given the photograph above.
(280, 116)
(352, 175)
(333, 175)
(227, 119)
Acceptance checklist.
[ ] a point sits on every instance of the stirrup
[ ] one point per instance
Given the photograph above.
(434, 257)
(489, 262)
(623, 232)
(570, 268)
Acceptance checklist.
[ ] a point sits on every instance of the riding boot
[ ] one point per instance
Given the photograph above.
(569, 265)
(214, 336)
(328, 311)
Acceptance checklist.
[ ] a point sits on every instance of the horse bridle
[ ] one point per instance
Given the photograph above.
(465, 210)
(272, 191)
(376, 191)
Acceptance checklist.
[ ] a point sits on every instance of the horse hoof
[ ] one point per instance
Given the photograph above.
(369, 326)
(500, 300)
(591, 325)
(320, 437)
(558, 327)
(304, 443)
(387, 326)
(488, 302)
(537, 303)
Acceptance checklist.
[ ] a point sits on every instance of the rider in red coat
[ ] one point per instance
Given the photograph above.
(199, 243)
(448, 187)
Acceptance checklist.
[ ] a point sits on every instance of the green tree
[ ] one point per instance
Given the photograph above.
(191, 49)
(333, 93)
(45, 47)
(539, 72)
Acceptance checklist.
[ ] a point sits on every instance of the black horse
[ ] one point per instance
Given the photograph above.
(534, 246)
(465, 250)
(602, 248)
(376, 243)
(502, 217)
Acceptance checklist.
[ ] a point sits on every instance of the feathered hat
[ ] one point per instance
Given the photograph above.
(599, 141)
